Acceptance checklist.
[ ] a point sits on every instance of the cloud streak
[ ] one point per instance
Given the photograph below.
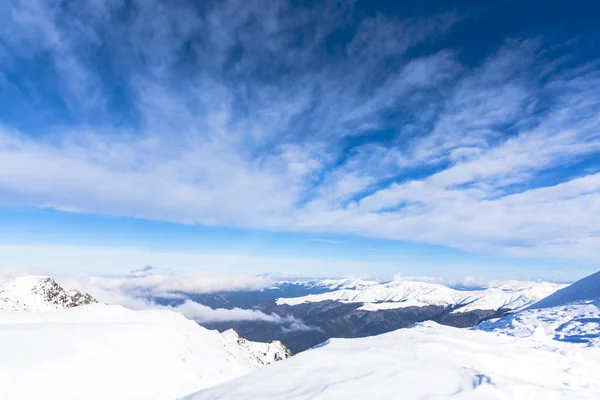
(242, 116)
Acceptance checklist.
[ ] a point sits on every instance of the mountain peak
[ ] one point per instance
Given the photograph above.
(38, 292)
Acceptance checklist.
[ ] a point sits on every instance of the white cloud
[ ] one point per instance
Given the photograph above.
(137, 292)
(215, 145)
(201, 313)
(198, 282)
(298, 326)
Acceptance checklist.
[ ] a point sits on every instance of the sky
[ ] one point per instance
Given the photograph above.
(371, 138)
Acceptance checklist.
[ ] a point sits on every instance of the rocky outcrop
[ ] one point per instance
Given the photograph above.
(261, 353)
(37, 293)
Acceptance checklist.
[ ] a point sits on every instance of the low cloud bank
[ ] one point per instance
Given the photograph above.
(201, 313)
(150, 282)
(137, 289)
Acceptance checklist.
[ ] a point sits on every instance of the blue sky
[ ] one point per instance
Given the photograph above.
(366, 138)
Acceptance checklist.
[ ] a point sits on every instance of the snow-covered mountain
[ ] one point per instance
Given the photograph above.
(404, 293)
(37, 293)
(552, 352)
(52, 349)
(345, 283)
(571, 314)
(584, 290)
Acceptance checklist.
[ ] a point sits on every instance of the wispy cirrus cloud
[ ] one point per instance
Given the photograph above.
(303, 118)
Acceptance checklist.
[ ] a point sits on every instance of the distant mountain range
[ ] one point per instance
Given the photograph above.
(349, 308)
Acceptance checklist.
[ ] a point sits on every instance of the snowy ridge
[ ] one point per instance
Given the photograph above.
(37, 293)
(586, 289)
(346, 283)
(425, 361)
(102, 351)
(259, 353)
(330, 284)
(571, 315)
(403, 293)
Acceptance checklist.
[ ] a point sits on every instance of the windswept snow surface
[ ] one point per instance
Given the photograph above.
(575, 323)
(99, 351)
(404, 293)
(427, 361)
(570, 315)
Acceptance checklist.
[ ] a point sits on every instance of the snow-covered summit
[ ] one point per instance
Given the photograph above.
(37, 293)
(406, 293)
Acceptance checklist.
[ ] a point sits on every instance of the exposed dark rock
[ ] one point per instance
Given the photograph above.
(345, 320)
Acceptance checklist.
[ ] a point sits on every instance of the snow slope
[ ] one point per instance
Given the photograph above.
(575, 323)
(31, 293)
(403, 293)
(51, 348)
(586, 289)
(571, 314)
(427, 361)
(100, 351)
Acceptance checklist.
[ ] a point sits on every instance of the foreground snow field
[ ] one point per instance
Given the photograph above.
(427, 361)
(108, 352)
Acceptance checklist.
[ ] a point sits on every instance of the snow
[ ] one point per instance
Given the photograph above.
(404, 293)
(33, 292)
(426, 361)
(330, 284)
(108, 352)
(50, 347)
(258, 352)
(575, 323)
(346, 283)
(586, 289)
(569, 315)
